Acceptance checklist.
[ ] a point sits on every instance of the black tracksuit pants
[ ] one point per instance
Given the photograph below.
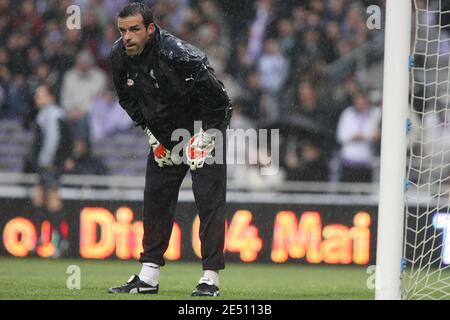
(160, 199)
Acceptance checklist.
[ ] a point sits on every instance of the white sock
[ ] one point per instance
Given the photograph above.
(150, 273)
(213, 275)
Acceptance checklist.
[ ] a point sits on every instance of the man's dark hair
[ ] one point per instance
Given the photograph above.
(136, 8)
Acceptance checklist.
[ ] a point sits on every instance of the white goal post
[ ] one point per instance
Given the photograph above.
(413, 237)
(393, 149)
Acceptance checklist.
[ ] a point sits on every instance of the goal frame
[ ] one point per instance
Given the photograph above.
(391, 207)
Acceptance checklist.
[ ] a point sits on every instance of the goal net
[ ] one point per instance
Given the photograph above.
(426, 255)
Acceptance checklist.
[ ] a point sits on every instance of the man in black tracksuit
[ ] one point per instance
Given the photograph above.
(165, 84)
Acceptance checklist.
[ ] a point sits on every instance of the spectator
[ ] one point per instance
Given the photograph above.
(107, 116)
(105, 45)
(332, 35)
(311, 37)
(4, 56)
(4, 23)
(72, 44)
(335, 11)
(18, 43)
(5, 77)
(253, 95)
(307, 106)
(51, 149)
(83, 162)
(357, 132)
(273, 71)
(240, 66)
(355, 25)
(34, 57)
(257, 32)
(91, 34)
(18, 98)
(43, 73)
(178, 14)
(81, 85)
(308, 50)
(29, 19)
(299, 17)
(306, 161)
(219, 48)
(101, 15)
(287, 36)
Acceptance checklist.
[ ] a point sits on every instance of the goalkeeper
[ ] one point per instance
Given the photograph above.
(164, 84)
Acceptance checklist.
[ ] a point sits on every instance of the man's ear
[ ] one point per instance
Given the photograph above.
(151, 28)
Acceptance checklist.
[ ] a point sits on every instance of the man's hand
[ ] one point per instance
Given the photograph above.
(160, 153)
(76, 114)
(200, 146)
(358, 137)
(69, 165)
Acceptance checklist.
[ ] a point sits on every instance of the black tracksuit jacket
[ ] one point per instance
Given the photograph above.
(169, 86)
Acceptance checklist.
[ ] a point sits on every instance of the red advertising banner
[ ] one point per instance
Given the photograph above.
(277, 233)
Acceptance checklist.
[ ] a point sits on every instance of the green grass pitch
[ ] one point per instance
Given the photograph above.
(32, 278)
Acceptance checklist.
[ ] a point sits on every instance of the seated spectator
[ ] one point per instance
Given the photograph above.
(83, 162)
(306, 161)
(107, 116)
(358, 132)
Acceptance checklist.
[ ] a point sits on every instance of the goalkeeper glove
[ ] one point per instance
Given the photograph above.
(200, 146)
(160, 152)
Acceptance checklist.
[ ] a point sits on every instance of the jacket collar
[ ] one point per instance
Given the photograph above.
(153, 43)
(152, 46)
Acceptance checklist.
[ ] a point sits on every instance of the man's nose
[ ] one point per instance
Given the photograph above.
(127, 35)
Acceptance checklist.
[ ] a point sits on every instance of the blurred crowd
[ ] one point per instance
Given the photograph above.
(299, 65)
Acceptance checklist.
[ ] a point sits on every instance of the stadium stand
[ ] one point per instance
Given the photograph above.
(325, 42)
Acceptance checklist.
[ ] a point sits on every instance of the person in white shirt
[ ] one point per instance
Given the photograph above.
(80, 85)
(273, 69)
(358, 131)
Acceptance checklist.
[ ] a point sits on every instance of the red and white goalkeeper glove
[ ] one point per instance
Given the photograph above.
(200, 146)
(160, 152)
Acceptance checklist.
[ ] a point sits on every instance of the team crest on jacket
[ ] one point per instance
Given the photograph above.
(130, 82)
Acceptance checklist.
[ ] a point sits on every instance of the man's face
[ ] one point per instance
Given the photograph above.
(42, 97)
(134, 34)
(361, 103)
